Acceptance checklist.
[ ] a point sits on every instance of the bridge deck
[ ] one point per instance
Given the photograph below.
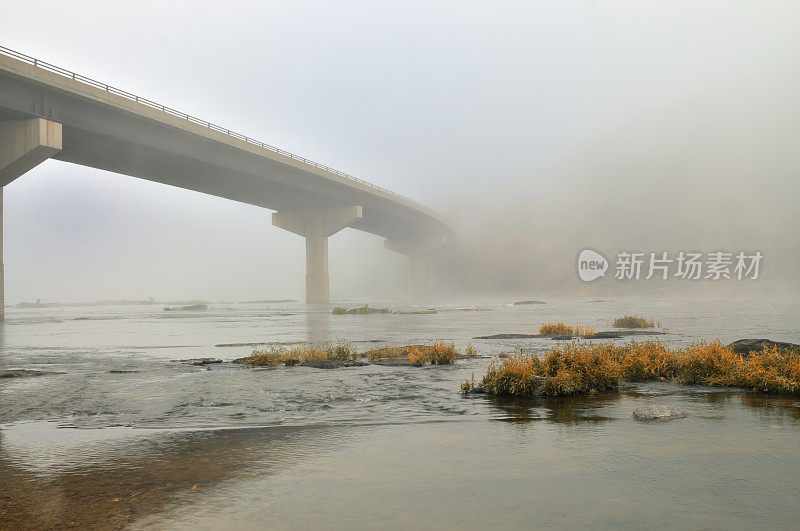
(113, 130)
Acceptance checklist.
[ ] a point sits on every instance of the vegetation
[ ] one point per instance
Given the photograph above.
(631, 321)
(437, 354)
(190, 307)
(470, 351)
(276, 355)
(561, 329)
(361, 310)
(584, 368)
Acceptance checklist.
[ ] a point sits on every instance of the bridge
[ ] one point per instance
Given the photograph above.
(49, 112)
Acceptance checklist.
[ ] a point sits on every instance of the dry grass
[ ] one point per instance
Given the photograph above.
(470, 351)
(437, 354)
(631, 321)
(565, 370)
(361, 310)
(561, 329)
(583, 368)
(272, 355)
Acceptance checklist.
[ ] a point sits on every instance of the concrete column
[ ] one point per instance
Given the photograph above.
(418, 250)
(316, 225)
(317, 279)
(24, 144)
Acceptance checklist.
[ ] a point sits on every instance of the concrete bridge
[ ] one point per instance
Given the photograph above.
(49, 112)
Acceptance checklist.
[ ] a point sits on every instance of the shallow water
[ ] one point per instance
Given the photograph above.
(158, 442)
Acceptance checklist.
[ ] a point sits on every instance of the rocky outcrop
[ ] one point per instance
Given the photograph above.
(23, 373)
(508, 336)
(396, 361)
(745, 346)
(332, 364)
(201, 361)
(616, 334)
(657, 413)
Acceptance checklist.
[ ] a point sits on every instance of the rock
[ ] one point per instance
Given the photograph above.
(476, 391)
(427, 311)
(332, 364)
(396, 361)
(521, 303)
(503, 354)
(201, 361)
(745, 346)
(121, 371)
(660, 413)
(508, 336)
(23, 373)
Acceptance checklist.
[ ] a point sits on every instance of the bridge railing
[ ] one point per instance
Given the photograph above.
(205, 123)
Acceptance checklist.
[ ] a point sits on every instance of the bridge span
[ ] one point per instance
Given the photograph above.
(50, 112)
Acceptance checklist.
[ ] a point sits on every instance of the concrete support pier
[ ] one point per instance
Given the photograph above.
(316, 225)
(417, 249)
(24, 144)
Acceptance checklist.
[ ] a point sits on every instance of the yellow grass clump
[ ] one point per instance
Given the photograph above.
(631, 321)
(470, 351)
(272, 355)
(581, 368)
(361, 310)
(561, 329)
(437, 354)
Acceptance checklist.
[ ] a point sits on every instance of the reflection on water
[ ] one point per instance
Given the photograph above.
(568, 410)
(318, 324)
(110, 477)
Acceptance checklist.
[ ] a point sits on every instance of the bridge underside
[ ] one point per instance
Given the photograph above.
(132, 139)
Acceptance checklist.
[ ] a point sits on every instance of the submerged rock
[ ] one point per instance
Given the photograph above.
(190, 307)
(23, 373)
(616, 334)
(332, 364)
(652, 413)
(395, 361)
(745, 346)
(201, 361)
(508, 336)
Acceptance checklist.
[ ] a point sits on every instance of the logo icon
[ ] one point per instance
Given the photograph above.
(591, 265)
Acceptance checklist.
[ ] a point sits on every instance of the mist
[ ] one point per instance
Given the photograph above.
(539, 130)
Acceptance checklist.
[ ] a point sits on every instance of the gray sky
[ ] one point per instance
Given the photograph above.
(657, 125)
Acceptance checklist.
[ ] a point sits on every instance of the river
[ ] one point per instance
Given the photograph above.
(125, 434)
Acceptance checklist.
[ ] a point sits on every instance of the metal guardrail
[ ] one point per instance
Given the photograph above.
(214, 127)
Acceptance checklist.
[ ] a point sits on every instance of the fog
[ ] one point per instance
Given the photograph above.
(539, 129)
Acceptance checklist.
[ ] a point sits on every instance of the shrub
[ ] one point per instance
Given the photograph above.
(470, 351)
(269, 356)
(437, 354)
(773, 370)
(561, 329)
(580, 368)
(443, 354)
(708, 364)
(339, 310)
(645, 361)
(630, 321)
